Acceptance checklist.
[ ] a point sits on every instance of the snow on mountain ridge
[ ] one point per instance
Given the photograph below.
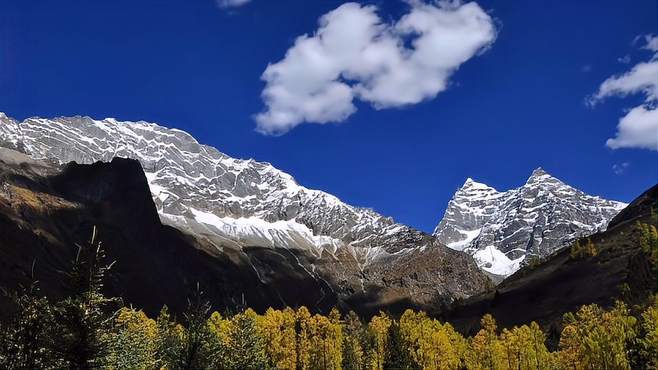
(188, 179)
(501, 229)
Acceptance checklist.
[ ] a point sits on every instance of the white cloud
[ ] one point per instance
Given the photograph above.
(231, 3)
(639, 127)
(620, 168)
(651, 42)
(355, 55)
(625, 59)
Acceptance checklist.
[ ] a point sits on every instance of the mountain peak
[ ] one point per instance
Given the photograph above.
(539, 172)
(471, 184)
(539, 175)
(501, 228)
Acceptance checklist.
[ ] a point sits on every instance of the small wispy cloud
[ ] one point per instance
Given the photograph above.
(620, 168)
(231, 3)
(625, 59)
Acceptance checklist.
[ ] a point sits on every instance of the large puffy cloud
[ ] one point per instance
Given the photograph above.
(639, 127)
(355, 55)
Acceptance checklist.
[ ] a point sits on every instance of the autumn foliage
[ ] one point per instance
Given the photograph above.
(88, 330)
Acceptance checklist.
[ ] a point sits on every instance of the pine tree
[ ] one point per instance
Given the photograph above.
(24, 341)
(194, 350)
(84, 318)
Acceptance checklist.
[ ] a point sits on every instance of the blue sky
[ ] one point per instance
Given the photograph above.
(196, 66)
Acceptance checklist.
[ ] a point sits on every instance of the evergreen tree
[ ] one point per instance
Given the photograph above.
(194, 350)
(83, 320)
(24, 341)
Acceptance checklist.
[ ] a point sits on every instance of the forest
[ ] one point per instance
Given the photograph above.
(88, 330)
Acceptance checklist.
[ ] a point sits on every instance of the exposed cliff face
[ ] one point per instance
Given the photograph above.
(503, 229)
(259, 219)
(44, 211)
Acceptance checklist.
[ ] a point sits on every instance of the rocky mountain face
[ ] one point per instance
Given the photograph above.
(503, 230)
(46, 209)
(258, 218)
(619, 270)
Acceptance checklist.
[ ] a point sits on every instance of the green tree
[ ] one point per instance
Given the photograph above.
(195, 349)
(84, 319)
(649, 340)
(24, 341)
(649, 242)
(598, 339)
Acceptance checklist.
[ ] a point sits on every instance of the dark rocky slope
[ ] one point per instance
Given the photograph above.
(561, 284)
(45, 210)
(259, 218)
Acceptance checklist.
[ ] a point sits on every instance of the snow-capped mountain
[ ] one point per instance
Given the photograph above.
(198, 187)
(234, 204)
(501, 230)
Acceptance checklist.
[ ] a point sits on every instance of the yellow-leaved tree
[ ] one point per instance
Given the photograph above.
(486, 350)
(135, 342)
(378, 328)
